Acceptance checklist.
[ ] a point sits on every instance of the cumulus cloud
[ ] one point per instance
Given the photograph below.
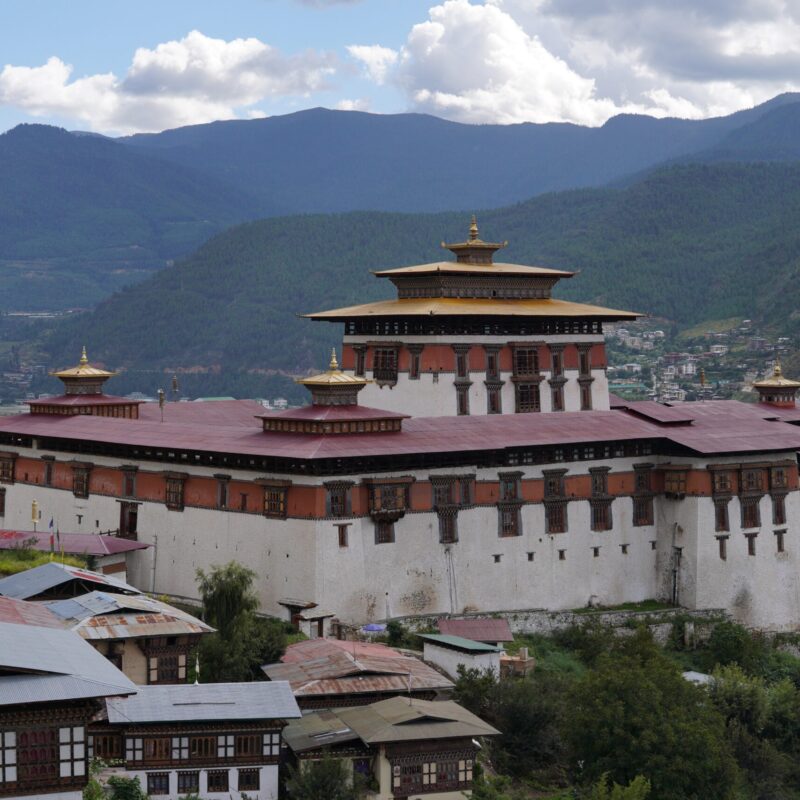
(193, 80)
(375, 58)
(586, 60)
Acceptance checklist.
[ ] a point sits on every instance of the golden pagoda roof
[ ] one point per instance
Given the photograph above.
(457, 267)
(83, 370)
(456, 306)
(777, 381)
(333, 377)
(474, 244)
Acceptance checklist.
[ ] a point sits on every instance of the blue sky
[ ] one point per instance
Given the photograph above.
(505, 61)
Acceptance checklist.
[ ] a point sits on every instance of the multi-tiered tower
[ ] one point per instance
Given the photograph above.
(472, 336)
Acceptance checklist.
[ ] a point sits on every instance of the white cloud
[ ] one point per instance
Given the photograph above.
(193, 80)
(586, 60)
(375, 58)
(358, 104)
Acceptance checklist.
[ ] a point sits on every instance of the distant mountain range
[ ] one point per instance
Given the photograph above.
(81, 216)
(689, 242)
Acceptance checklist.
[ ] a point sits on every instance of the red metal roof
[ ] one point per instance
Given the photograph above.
(89, 544)
(22, 612)
(658, 412)
(334, 413)
(487, 629)
(83, 400)
(722, 426)
(319, 648)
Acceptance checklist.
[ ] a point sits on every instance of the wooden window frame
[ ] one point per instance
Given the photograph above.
(252, 785)
(448, 526)
(526, 360)
(721, 517)
(175, 492)
(528, 397)
(555, 512)
(462, 400)
(414, 362)
(780, 541)
(385, 365)
(189, 781)
(276, 501)
(154, 781)
(202, 747)
(643, 511)
(675, 481)
(778, 478)
(751, 543)
(384, 532)
(338, 499)
(2, 501)
(7, 467)
(750, 508)
(601, 515)
(80, 480)
(361, 360)
(220, 782)
(752, 480)
(509, 521)
(778, 509)
(343, 534)
(723, 547)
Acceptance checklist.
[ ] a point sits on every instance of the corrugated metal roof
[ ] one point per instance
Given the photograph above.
(36, 581)
(397, 719)
(68, 668)
(337, 671)
(318, 648)
(102, 616)
(90, 544)
(479, 629)
(205, 702)
(460, 643)
(718, 427)
(21, 612)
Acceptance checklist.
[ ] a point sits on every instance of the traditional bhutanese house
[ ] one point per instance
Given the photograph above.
(54, 581)
(404, 747)
(51, 685)
(465, 454)
(489, 630)
(149, 640)
(451, 652)
(329, 673)
(109, 553)
(212, 739)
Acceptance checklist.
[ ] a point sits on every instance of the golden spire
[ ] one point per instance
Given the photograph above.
(84, 358)
(473, 229)
(334, 365)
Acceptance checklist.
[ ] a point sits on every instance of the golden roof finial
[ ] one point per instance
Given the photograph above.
(84, 358)
(473, 229)
(777, 372)
(334, 365)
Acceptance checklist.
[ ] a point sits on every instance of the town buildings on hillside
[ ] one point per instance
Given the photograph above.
(467, 455)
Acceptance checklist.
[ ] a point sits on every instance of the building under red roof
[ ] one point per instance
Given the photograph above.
(491, 630)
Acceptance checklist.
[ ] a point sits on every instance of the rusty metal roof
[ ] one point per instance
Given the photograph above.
(101, 616)
(338, 671)
(479, 629)
(22, 612)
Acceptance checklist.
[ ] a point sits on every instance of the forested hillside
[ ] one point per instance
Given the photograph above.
(689, 243)
(81, 216)
(330, 161)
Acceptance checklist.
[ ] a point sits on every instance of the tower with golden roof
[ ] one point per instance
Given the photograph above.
(474, 336)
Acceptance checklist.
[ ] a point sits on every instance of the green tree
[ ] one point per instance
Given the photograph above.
(243, 641)
(731, 643)
(605, 789)
(122, 788)
(474, 689)
(634, 714)
(329, 778)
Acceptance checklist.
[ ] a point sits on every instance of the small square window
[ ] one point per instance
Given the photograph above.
(530, 556)
(497, 557)
(562, 555)
(596, 552)
(624, 548)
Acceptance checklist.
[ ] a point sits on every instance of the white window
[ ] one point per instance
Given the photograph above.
(225, 746)
(72, 751)
(180, 748)
(272, 744)
(465, 771)
(429, 773)
(133, 749)
(8, 757)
